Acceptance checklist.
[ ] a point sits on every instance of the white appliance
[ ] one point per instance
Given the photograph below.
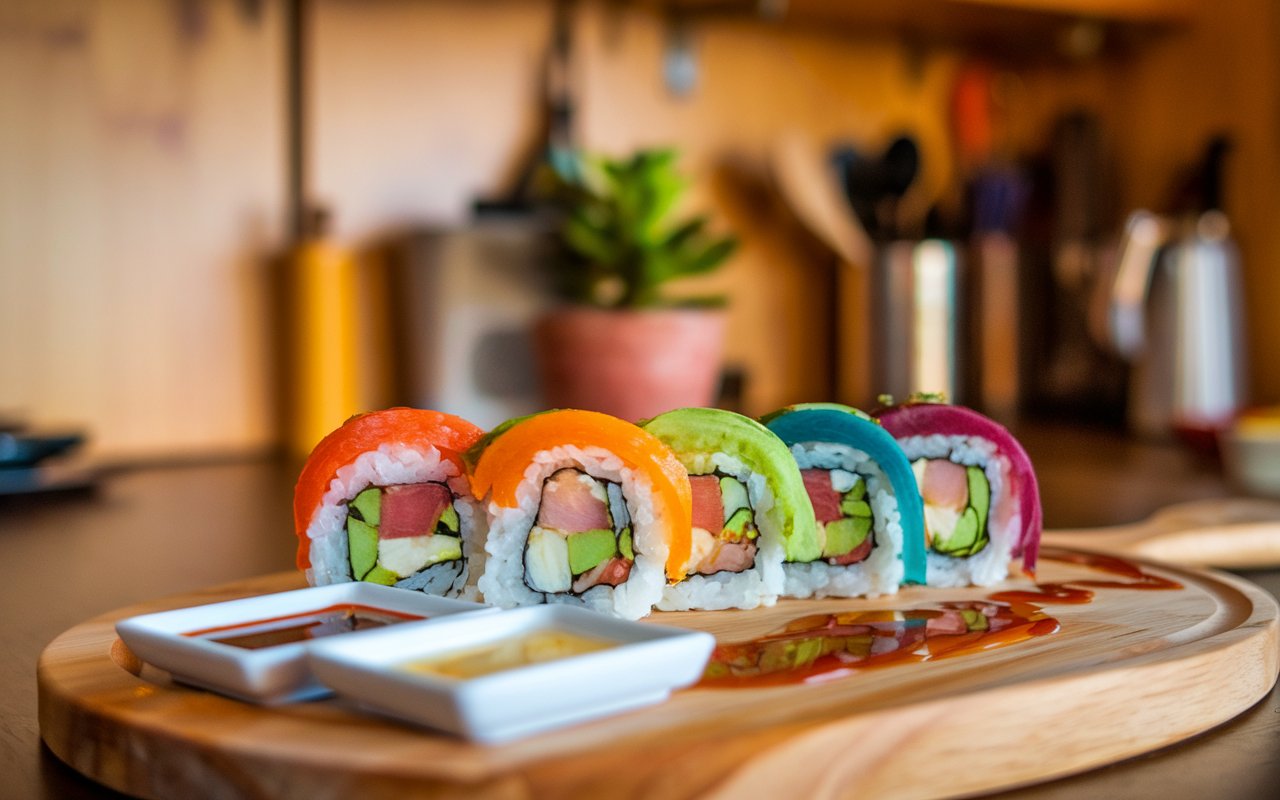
(465, 301)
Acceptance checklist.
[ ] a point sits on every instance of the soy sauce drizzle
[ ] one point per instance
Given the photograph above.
(1072, 593)
(825, 647)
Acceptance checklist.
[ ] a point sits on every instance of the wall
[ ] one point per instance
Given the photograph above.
(142, 171)
(140, 182)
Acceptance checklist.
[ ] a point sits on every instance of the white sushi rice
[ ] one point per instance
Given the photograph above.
(879, 573)
(758, 586)
(390, 465)
(503, 582)
(1004, 519)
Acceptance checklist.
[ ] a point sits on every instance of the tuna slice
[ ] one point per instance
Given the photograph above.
(945, 484)
(412, 509)
(573, 501)
(730, 557)
(855, 555)
(610, 573)
(950, 623)
(708, 506)
(825, 499)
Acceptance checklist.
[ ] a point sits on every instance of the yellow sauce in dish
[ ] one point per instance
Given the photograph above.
(520, 651)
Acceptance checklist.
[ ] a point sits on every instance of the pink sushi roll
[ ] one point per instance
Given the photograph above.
(981, 499)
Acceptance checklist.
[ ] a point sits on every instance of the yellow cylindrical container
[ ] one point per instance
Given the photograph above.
(323, 390)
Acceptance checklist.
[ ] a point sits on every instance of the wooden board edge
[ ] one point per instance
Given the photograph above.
(749, 762)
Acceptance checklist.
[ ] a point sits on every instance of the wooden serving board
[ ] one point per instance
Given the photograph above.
(1230, 533)
(1127, 673)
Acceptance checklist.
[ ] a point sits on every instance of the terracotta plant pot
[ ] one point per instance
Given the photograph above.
(632, 364)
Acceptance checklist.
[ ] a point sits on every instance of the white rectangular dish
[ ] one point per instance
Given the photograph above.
(185, 641)
(640, 665)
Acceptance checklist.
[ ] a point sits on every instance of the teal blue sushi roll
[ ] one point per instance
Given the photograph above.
(866, 503)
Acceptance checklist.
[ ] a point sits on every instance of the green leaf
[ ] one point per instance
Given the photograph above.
(620, 232)
(685, 233)
(589, 240)
(700, 301)
(709, 258)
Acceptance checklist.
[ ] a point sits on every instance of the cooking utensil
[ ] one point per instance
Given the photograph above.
(813, 194)
(875, 186)
(918, 314)
(1177, 313)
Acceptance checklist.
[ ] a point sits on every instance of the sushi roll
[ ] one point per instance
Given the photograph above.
(583, 509)
(865, 502)
(749, 503)
(385, 499)
(981, 501)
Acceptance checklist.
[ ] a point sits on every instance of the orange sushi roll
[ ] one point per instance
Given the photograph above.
(583, 508)
(385, 499)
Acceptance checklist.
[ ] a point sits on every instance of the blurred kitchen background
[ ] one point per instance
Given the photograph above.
(199, 198)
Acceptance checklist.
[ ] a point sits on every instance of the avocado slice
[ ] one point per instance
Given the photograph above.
(962, 538)
(855, 508)
(788, 655)
(859, 490)
(974, 620)
(448, 520)
(624, 544)
(808, 651)
(979, 494)
(843, 535)
(737, 525)
(381, 575)
(362, 544)
(589, 548)
(546, 561)
(368, 505)
(733, 495)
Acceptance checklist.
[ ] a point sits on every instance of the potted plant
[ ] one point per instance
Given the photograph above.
(621, 345)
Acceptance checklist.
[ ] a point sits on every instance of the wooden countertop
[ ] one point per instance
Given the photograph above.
(150, 532)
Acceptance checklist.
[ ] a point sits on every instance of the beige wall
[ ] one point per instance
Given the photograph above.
(142, 171)
(140, 177)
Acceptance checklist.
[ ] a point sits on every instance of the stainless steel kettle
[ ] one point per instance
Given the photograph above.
(1177, 315)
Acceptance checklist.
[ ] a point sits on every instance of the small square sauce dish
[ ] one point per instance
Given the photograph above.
(254, 649)
(499, 677)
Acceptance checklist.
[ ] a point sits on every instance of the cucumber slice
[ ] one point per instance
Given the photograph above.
(624, 544)
(733, 496)
(448, 520)
(963, 537)
(368, 505)
(979, 494)
(381, 575)
(362, 545)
